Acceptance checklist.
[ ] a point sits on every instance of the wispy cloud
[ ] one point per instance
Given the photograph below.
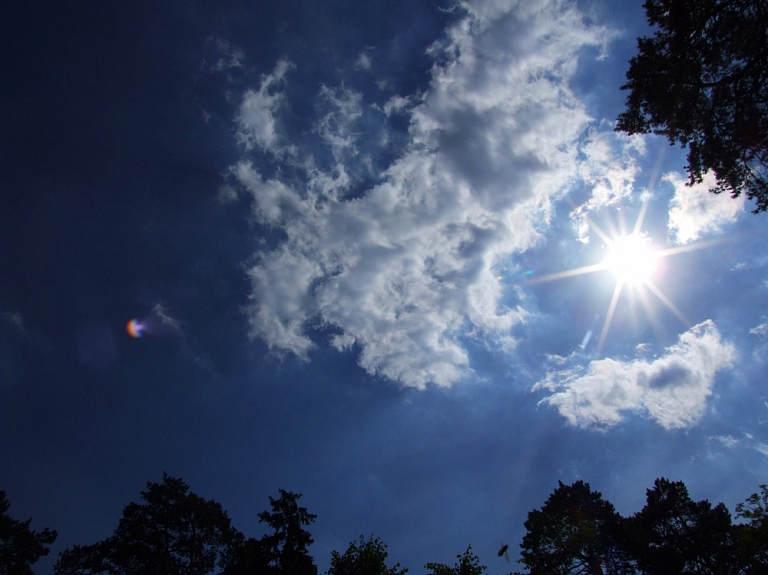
(608, 169)
(727, 441)
(14, 319)
(222, 55)
(671, 389)
(364, 60)
(761, 330)
(695, 212)
(256, 118)
(406, 270)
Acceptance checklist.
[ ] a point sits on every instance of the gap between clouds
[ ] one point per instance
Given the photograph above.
(405, 272)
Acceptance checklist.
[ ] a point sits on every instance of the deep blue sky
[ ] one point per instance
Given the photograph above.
(340, 217)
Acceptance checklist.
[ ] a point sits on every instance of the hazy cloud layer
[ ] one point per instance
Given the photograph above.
(405, 271)
(695, 212)
(671, 389)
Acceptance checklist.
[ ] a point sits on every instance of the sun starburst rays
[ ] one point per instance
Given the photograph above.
(634, 262)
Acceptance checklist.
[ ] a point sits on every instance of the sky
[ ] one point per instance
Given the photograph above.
(374, 254)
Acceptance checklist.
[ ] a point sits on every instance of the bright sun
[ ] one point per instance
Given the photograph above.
(632, 259)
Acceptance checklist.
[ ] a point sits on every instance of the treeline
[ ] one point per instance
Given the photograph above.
(176, 532)
(579, 532)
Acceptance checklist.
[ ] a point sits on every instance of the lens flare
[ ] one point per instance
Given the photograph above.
(135, 328)
(158, 324)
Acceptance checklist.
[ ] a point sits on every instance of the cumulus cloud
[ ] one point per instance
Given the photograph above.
(404, 271)
(671, 389)
(695, 212)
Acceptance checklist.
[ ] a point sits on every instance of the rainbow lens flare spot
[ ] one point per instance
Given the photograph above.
(135, 328)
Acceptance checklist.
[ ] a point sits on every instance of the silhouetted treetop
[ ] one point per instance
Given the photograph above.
(468, 564)
(20, 546)
(575, 532)
(578, 532)
(752, 536)
(364, 557)
(173, 532)
(702, 81)
(286, 548)
(674, 534)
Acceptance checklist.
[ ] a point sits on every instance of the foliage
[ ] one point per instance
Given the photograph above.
(468, 564)
(174, 532)
(674, 534)
(20, 546)
(753, 536)
(251, 558)
(365, 557)
(702, 81)
(575, 532)
(286, 549)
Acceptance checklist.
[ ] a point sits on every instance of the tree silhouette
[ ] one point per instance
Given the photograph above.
(702, 81)
(674, 534)
(174, 532)
(365, 557)
(20, 546)
(285, 550)
(468, 564)
(752, 537)
(251, 558)
(575, 532)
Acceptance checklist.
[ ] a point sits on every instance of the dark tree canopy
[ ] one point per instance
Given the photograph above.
(468, 564)
(674, 534)
(702, 81)
(752, 536)
(20, 546)
(364, 557)
(285, 550)
(173, 532)
(575, 532)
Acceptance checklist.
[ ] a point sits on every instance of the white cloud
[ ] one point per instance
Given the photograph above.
(336, 127)
(609, 169)
(727, 441)
(695, 212)
(760, 331)
(671, 389)
(396, 104)
(256, 116)
(364, 60)
(405, 271)
(274, 202)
